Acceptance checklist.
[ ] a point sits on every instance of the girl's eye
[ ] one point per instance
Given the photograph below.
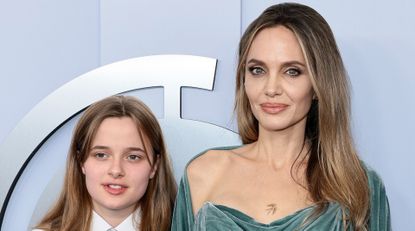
(101, 155)
(255, 70)
(133, 157)
(293, 72)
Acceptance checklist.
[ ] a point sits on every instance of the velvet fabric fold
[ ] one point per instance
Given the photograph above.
(212, 217)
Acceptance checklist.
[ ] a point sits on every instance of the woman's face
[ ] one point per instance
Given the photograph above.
(116, 170)
(277, 81)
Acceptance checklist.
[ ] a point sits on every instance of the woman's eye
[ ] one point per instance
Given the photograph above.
(133, 157)
(101, 155)
(293, 72)
(256, 70)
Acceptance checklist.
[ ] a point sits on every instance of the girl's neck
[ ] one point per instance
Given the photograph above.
(114, 217)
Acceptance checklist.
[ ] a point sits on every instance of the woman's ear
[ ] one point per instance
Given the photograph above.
(315, 96)
(155, 166)
(83, 169)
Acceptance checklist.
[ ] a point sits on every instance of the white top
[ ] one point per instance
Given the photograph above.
(99, 224)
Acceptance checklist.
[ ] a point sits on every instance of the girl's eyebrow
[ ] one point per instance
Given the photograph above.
(135, 149)
(102, 147)
(99, 147)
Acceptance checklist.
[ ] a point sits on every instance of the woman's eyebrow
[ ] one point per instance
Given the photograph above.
(287, 63)
(255, 61)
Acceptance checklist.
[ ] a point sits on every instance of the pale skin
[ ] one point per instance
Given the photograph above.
(117, 170)
(256, 178)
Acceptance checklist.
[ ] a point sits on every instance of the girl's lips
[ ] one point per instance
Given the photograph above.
(115, 189)
(273, 108)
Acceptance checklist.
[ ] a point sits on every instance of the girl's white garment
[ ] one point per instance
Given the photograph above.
(99, 224)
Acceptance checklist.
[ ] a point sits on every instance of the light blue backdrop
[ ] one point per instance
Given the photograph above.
(44, 44)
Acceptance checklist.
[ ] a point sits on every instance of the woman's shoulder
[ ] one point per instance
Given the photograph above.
(373, 177)
(376, 186)
(379, 204)
(209, 161)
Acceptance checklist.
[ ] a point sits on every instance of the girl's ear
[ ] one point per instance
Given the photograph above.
(155, 166)
(83, 169)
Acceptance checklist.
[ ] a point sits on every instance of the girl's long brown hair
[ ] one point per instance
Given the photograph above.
(334, 171)
(73, 210)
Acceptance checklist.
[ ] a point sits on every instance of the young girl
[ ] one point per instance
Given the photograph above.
(297, 168)
(118, 174)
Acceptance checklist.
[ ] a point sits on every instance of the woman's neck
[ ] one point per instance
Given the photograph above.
(281, 148)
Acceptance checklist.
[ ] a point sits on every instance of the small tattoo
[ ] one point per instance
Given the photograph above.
(271, 209)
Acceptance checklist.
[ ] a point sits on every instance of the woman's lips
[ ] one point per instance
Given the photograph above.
(273, 108)
(115, 189)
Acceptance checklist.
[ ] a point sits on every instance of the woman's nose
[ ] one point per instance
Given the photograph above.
(273, 86)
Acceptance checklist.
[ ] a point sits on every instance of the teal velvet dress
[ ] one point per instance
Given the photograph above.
(219, 217)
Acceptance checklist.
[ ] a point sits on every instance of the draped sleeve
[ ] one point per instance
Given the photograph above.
(183, 218)
(379, 206)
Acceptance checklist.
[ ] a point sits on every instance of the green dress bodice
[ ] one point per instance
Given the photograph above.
(212, 217)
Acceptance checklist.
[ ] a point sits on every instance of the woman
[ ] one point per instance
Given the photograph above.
(297, 168)
(118, 173)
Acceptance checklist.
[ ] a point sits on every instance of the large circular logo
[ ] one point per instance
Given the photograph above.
(33, 166)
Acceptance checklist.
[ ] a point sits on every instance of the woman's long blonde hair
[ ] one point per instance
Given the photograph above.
(334, 171)
(73, 210)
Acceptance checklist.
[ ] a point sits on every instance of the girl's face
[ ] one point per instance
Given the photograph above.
(116, 170)
(277, 82)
